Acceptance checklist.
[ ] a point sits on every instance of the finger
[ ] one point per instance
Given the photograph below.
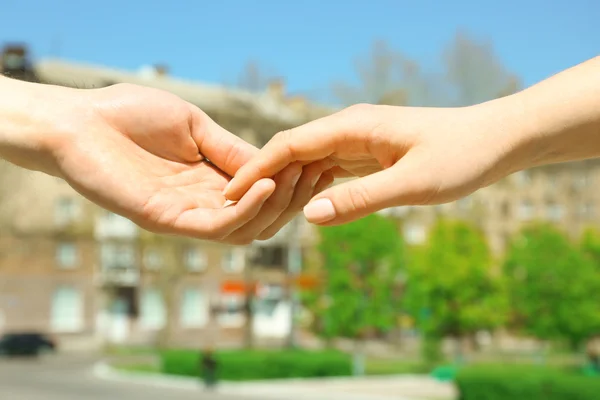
(339, 172)
(324, 182)
(304, 191)
(225, 150)
(313, 141)
(285, 182)
(215, 224)
(397, 185)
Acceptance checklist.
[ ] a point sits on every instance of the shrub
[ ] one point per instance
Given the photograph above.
(254, 365)
(525, 383)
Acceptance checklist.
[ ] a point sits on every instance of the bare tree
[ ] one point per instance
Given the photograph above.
(474, 71)
(255, 77)
(385, 76)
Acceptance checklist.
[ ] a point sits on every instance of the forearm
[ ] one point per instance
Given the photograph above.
(561, 115)
(30, 124)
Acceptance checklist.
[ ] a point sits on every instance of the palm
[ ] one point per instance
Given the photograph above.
(141, 158)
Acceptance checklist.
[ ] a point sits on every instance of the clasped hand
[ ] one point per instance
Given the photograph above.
(144, 154)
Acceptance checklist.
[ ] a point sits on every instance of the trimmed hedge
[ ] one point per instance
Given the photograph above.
(525, 383)
(254, 364)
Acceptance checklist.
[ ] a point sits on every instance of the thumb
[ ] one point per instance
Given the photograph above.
(360, 197)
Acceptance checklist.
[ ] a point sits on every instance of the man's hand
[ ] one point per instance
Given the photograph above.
(157, 160)
(404, 156)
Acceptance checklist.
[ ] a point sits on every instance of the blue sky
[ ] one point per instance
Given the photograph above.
(309, 42)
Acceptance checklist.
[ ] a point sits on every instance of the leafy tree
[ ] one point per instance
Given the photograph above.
(553, 286)
(362, 262)
(451, 288)
(590, 245)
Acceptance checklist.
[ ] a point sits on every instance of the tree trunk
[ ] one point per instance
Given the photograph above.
(164, 336)
(359, 358)
(249, 285)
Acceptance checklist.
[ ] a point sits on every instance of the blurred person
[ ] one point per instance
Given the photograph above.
(420, 156)
(207, 367)
(150, 156)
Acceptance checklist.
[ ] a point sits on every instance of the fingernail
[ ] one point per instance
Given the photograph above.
(318, 211)
(227, 188)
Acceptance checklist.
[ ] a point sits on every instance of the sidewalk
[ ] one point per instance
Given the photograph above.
(404, 387)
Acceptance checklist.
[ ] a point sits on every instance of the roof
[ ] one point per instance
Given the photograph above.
(207, 97)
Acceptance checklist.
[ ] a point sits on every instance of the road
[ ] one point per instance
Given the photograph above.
(70, 378)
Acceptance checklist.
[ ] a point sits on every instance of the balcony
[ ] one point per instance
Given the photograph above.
(113, 226)
(118, 264)
(121, 277)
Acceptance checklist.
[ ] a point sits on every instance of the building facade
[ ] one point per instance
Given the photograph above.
(91, 277)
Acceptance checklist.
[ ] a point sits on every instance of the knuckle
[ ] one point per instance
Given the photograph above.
(359, 109)
(286, 143)
(359, 197)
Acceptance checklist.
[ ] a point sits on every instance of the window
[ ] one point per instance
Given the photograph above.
(115, 226)
(523, 178)
(153, 312)
(194, 308)
(270, 256)
(414, 233)
(65, 210)
(117, 255)
(152, 259)
(66, 314)
(194, 259)
(232, 313)
(525, 210)
(66, 255)
(234, 260)
(554, 211)
(464, 204)
(586, 210)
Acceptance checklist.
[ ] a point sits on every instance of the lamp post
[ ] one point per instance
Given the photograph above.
(294, 266)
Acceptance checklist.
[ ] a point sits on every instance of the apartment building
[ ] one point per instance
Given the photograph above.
(89, 276)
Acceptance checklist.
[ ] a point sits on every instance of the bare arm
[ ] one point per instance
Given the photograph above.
(407, 156)
(562, 115)
(28, 130)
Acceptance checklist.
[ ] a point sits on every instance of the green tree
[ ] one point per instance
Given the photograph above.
(362, 260)
(553, 286)
(590, 245)
(451, 288)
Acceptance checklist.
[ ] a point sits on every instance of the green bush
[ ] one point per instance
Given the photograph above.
(254, 365)
(525, 383)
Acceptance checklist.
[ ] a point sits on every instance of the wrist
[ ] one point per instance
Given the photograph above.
(510, 140)
(33, 123)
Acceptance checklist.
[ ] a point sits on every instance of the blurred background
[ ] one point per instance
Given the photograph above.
(496, 294)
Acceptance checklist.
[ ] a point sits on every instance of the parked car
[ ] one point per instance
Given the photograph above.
(26, 344)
